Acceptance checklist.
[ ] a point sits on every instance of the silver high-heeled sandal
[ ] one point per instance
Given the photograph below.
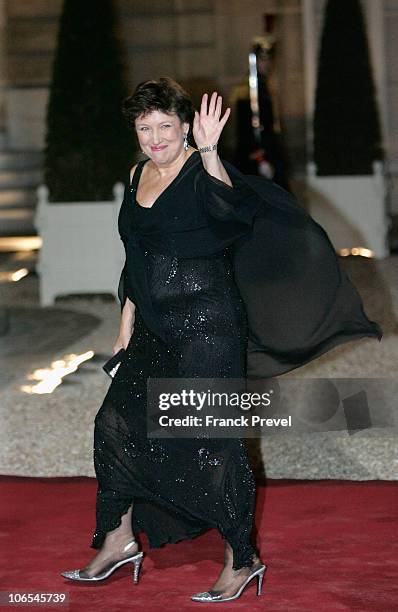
(110, 568)
(216, 596)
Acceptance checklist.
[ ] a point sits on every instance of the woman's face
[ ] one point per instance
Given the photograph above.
(161, 135)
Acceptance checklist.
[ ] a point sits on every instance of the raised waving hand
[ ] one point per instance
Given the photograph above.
(208, 124)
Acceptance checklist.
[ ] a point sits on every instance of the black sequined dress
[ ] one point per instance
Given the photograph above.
(212, 270)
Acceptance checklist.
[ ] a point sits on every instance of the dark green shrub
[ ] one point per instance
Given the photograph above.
(88, 145)
(346, 122)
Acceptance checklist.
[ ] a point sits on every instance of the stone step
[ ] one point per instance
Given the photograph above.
(17, 222)
(13, 160)
(10, 179)
(20, 174)
(19, 247)
(10, 262)
(15, 198)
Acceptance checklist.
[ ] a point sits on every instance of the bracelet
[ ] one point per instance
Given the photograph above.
(207, 149)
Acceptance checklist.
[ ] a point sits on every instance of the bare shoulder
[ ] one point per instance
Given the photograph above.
(132, 170)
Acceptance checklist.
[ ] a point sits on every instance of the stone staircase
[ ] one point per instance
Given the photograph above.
(20, 175)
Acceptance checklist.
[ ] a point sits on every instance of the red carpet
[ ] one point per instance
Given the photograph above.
(330, 546)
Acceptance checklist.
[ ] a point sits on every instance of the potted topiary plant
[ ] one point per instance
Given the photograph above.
(88, 150)
(346, 176)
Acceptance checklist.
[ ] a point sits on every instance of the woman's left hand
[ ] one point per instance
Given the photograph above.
(207, 126)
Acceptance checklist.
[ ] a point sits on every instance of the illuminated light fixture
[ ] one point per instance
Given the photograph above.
(20, 243)
(356, 251)
(50, 378)
(7, 277)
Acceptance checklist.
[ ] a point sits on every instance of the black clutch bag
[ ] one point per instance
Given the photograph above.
(111, 366)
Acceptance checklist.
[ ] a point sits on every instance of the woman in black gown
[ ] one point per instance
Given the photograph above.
(213, 262)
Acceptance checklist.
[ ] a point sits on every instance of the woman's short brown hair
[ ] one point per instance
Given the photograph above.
(165, 95)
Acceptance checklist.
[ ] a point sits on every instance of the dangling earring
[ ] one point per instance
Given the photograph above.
(186, 145)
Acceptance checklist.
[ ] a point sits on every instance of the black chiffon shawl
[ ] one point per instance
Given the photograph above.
(299, 301)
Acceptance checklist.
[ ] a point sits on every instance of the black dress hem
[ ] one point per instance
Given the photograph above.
(98, 538)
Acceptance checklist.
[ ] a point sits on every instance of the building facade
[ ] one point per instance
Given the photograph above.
(204, 44)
